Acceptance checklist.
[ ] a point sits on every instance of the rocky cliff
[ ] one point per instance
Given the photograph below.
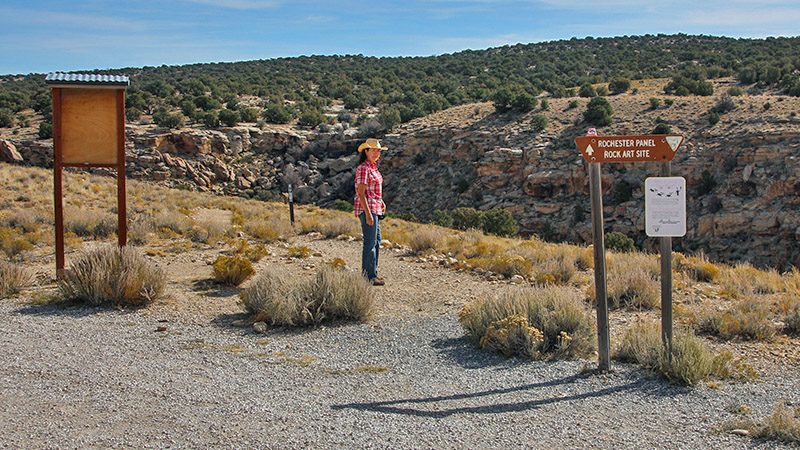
(742, 173)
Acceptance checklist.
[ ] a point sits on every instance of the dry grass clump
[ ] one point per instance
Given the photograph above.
(12, 242)
(340, 227)
(792, 320)
(119, 276)
(782, 425)
(232, 270)
(425, 238)
(505, 265)
(13, 278)
(558, 270)
(744, 280)
(277, 298)
(28, 220)
(172, 223)
(269, 229)
(748, 320)
(691, 362)
(299, 251)
(140, 230)
(243, 248)
(633, 288)
(699, 268)
(91, 224)
(558, 313)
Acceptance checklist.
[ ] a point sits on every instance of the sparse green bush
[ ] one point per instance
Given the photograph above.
(735, 91)
(587, 90)
(311, 118)
(713, 118)
(500, 222)
(572, 104)
(113, 275)
(45, 130)
(229, 118)
(232, 270)
(558, 313)
(274, 113)
(277, 298)
(442, 218)
(662, 128)
(619, 85)
(619, 242)
(342, 205)
(655, 102)
(13, 278)
(167, 120)
(598, 112)
(467, 218)
(724, 104)
(539, 123)
(6, 118)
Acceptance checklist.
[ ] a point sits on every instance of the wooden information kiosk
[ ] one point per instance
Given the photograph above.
(88, 131)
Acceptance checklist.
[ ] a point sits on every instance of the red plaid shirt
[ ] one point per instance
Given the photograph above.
(367, 173)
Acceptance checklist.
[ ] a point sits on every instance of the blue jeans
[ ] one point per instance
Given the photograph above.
(372, 245)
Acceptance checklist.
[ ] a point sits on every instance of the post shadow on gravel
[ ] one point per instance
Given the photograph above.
(71, 309)
(462, 351)
(210, 288)
(406, 406)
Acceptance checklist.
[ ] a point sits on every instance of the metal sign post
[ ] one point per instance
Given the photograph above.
(291, 205)
(603, 339)
(616, 149)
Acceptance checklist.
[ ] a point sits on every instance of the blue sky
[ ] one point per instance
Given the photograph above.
(43, 36)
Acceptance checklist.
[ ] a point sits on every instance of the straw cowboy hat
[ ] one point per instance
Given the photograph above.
(370, 143)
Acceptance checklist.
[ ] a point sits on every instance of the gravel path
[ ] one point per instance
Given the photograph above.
(88, 377)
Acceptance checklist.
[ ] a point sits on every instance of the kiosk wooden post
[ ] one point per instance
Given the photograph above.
(88, 131)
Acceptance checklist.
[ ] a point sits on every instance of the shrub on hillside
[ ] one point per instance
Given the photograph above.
(662, 128)
(13, 278)
(232, 270)
(167, 120)
(587, 90)
(311, 118)
(342, 205)
(619, 85)
(499, 222)
(619, 242)
(340, 226)
(467, 218)
(442, 218)
(724, 104)
(598, 112)
(539, 123)
(279, 299)
(113, 275)
(45, 130)
(6, 118)
(229, 118)
(655, 102)
(558, 314)
(274, 113)
(792, 320)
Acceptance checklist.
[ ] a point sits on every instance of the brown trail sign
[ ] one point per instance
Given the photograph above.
(613, 149)
(619, 149)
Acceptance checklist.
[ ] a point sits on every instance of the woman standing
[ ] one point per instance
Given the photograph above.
(369, 206)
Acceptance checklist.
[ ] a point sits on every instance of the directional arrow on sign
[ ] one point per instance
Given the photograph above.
(620, 149)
